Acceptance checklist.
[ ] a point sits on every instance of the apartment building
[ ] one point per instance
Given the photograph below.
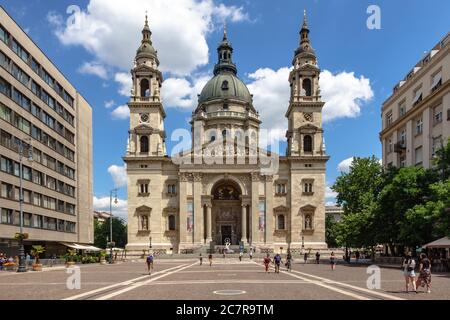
(416, 118)
(44, 119)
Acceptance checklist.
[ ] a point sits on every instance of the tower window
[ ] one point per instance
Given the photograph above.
(226, 106)
(307, 87)
(144, 144)
(225, 85)
(213, 138)
(307, 144)
(172, 223)
(145, 88)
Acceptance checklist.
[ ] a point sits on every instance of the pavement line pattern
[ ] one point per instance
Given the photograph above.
(371, 292)
(321, 284)
(195, 282)
(140, 284)
(125, 283)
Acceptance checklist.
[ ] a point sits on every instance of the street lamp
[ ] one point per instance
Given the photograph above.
(22, 266)
(150, 243)
(111, 194)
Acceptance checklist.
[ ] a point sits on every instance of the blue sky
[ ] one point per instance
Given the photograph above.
(363, 64)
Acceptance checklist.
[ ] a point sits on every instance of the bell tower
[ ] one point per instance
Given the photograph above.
(147, 134)
(305, 133)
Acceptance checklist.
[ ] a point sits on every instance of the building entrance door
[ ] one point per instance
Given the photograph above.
(226, 234)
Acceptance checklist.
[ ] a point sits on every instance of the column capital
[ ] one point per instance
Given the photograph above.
(197, 177)
(256, 176)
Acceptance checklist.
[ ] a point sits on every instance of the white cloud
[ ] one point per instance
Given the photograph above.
(109, 104)
(55, 19)
(330, 194)
(182, 93)
(119, 175)
(179, 27)
(121, 113)
(271, 93)
(94, 68)
(345, 165)
(125, 83)
(232, 13)
(119, 209)
(344, 94)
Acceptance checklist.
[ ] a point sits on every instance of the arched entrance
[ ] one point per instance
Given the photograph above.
(226, 200)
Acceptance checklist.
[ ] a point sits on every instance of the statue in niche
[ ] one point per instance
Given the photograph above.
(308, 222)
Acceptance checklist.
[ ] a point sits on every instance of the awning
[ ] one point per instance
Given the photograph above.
(81, 247)
(441, 243)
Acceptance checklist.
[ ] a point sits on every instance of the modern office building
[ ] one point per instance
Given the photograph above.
(416, 117)
(44, 119)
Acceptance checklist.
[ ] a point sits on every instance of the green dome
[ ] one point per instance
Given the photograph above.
(216, 88)
(146, 50)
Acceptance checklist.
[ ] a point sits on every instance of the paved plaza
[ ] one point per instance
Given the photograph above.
(227, 279)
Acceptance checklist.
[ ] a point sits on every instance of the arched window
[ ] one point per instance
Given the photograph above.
(172, 224)
(307, 87)
(225, 85)
(224, 135)
(144, 223)
(281, 221)
(213, 138)
(144, 144)
(307, 144)
(145, 88)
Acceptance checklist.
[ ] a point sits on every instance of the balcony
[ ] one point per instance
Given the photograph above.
(146, 99)
(229, 114)
(400, 147)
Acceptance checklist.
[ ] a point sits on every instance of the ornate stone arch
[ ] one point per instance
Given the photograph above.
(212, 183)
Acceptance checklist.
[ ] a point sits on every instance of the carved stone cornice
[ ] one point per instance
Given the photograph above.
(184, 176)
(256, 177)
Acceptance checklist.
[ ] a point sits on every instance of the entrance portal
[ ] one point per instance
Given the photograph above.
(226, 234)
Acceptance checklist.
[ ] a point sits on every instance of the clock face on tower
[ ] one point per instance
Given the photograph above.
(144, 118)
(308, 117)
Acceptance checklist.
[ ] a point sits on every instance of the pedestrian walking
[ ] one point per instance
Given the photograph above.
(317, 257)
(240, 256)
(424, 273)
(210, 257)
(289, 261)
(251, 253)
(277, 261)
(409, 265)
(267, 262)
(357, 255)
(201, 259)
(150, 259)
(333, 261)
(305, 257)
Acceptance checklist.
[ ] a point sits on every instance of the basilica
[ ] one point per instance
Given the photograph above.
(226, 189)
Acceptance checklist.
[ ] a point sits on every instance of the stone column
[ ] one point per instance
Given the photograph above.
(208, 223)
(198, 209)
(183, 208)
(269, 210)
(255, 209)
(244, 224)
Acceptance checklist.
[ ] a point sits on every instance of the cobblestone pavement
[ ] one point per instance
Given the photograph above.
(227, 279)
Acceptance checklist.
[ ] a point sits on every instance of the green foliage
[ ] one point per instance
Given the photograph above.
(331, 231)
(102, 233)
(399, 207)
(36, 251)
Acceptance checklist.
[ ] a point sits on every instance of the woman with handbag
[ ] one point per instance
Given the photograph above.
(409, 264)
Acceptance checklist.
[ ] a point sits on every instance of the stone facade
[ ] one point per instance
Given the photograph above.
(223, 189)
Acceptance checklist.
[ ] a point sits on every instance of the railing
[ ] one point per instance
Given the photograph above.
(399, 147)
(298, 98)
(146, 99)
(230, 114)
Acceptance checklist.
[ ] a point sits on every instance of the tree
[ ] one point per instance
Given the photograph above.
(102, 233)
(442, 162)
(357, 193)
(331, 230)
(36, 251)
(402, 190)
